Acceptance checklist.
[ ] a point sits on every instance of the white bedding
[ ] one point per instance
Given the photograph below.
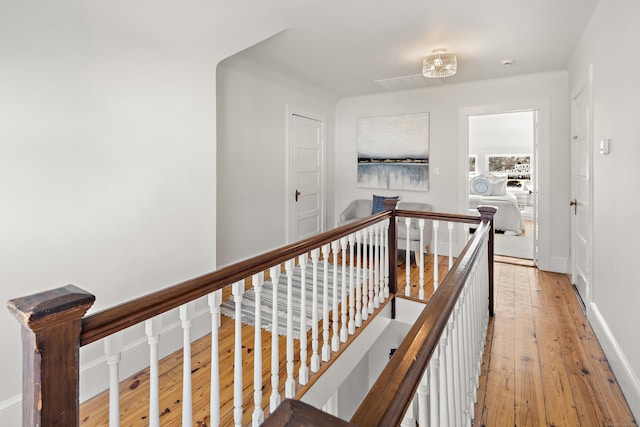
(508, 218)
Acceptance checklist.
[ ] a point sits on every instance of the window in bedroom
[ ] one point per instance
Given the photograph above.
(515, 166)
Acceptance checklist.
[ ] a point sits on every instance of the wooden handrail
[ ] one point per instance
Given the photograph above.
(294, 413)
(388, 399)
(117, 318)
(437, 216)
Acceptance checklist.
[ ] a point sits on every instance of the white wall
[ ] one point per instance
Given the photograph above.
(108, 149)
(447, 105)
(252, 105)
(612, 34)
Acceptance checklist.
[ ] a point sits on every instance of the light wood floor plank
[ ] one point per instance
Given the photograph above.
(560, 408)
(573, 386)
(529, 405)
(500, 398)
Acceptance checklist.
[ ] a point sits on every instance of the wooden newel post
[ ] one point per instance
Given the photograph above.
(390, 205)
(51, 326)
(487, 213)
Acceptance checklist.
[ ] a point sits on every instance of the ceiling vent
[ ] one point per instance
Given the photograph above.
(407, 82)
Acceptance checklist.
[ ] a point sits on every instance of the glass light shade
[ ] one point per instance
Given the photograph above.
(440, 64)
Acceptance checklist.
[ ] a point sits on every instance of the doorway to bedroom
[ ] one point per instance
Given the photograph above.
(502, 173)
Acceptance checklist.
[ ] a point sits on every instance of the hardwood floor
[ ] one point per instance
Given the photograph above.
(542, 364)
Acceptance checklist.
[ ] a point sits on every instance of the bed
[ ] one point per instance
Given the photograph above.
(491, 191)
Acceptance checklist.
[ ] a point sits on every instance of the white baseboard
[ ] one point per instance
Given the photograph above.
(626, 377)
(11, 411)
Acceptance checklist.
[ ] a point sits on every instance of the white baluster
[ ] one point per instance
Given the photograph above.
(274, 398)
(423, 399)
(483, 302)
(326, 347)
(436, 225)
(421, 258)
(290, 383)
(409, 420)
(303, 372)
(257, 418)
(378, 271)
(467, 350)
(153, 327)
(434, 381)
(331, 405)
(113, 346)
(407, 263)
(475, 333)
(335, 341)
(237, 290)
(351, 327)
(345, 303)
(479, 333)
(480, 320)
(371, 269)
(463, 349)
(386, 258)
(373, 262)
(358, 284)
(450, 226)
(365, 275)
(186, 314)
(456, 355)
(215, 300)
(471, 320)
(443, 410)
(450, 374)
(315, 359)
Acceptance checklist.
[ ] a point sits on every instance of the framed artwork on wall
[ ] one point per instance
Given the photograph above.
(393, 152)
(473, 162)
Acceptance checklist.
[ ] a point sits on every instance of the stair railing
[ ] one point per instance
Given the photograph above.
(434, 373)
(54, 325)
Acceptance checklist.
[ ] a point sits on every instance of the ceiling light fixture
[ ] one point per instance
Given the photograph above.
(439, 64)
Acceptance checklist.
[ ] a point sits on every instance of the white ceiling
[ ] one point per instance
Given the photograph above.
(344, 46)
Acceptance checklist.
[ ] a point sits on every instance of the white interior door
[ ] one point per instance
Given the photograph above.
(581, 192)
(307, 200)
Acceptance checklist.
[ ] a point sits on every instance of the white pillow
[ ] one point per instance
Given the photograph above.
(498, 185)
(480, 185)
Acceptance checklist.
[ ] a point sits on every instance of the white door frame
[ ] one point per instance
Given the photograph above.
(289, 198)
(588, 86)
(542, 219)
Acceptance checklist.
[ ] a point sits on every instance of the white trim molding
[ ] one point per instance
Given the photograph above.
(11, 411)
(543, 107)
(290, 111)
(626, 377)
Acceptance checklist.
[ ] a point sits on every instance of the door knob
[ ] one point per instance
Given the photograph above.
(297, 194)
(574, 203)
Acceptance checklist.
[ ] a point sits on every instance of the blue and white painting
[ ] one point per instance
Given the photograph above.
(393, 152)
